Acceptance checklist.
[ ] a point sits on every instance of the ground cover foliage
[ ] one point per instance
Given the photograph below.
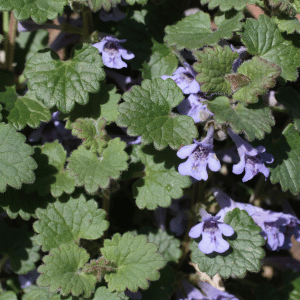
(149, 149)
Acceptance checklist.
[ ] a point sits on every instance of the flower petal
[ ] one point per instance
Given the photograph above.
(126, 54)
(196, 231)
(226, 229)
(185, 151)
(213, 162)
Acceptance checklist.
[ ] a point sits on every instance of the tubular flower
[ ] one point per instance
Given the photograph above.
(200, 155)
(112, 52)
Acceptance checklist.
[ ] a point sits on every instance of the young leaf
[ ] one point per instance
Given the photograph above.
(263, 38)
(147, 112)
(244, 254)
(291, 99)
(51, 176)
(62, 83)
(254, 120)
(103, 104)
(262, 76)
(28, 111)
(93, 171)
(194, 31)
(66, 222)
(161, 182)
(214, 63)
(16, 165)
(10, 295)
(137, 262)
(34, 292)
(283, 6)
(102, 293)
(287, 25)
(92, 133)
(38, 10)
(62, 271)
(96, 5)
(162, 62)
(286, 165)
(228, 4)
(167, 244)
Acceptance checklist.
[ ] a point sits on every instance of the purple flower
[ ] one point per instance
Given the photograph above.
(191, 293)
(28, 279)
(185, 79)
(211, 230)
(277, 228)
(242, 53)
(112, 15)
(213, 293)
(251, 159)
(200, 155)
(193, 107)
(112, 52)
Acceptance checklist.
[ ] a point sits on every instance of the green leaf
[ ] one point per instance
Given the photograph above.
(289, 25)
(214, 63)
(137, 262)
(28, 111)
(96, 5)
(194, 31)
(132, 2)
(161, 182)
(51, 176)
(162, 62)
(16, 165)
(286, 165)
(290, 98)
(262, 76)
(34, 292)
(254, 120)
(263, 38)
(163, 288)
(38, 10)
(18, 245)
(246, 249)
(93, 171)
(167, 244)
(103, 104)
(66, 222)
(228, 4)
(27, 263)
(282, 6)
(296, 4)
(62, 83)
(91, 132)
(102, 293)
(147, 112)
(19, 203)
(10, 295)
(62, 271)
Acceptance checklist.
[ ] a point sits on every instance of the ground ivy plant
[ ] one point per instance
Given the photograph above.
(149, 149)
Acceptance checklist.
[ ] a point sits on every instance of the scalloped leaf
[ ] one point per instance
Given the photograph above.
(168, 245)
(28, 111)
(132, 2)
(66, 222)
(228, 4)
(244, 254)
(34, 292)
(214, 63)
(38, 10)
(107, 5)
(10, 295)
(194, 31)
(287, 25)
(16, 165)
(286, 165)
(262, 75)
(290, 98)
(91, 132)
(62, 271)
(162, 62)
(254, 120)
(62, 83)
(263, 38)
(102, 293)
(161, 182)
(147, 112)
(51, 175)
(103, 104)
(18, 203)
(283, 6)
(93, 171)
(137, 262)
